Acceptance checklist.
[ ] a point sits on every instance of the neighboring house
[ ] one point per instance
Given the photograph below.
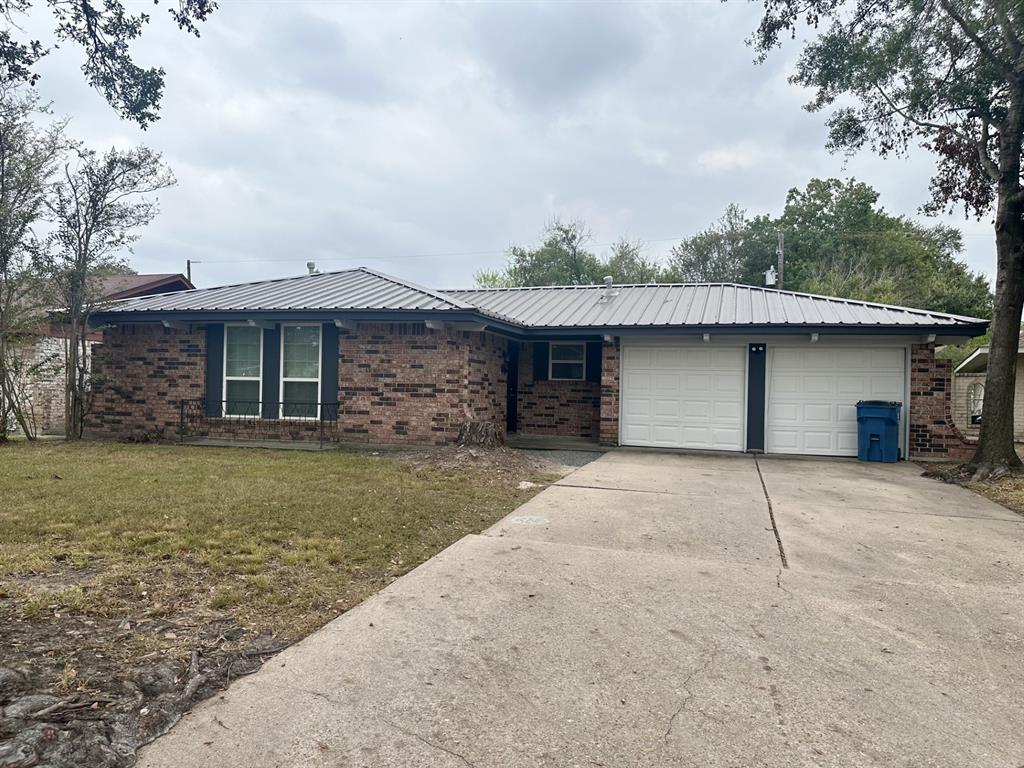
(969, 392)
(372, 358)
(43, 360)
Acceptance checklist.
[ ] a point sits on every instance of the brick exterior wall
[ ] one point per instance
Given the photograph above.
(933, 432)
(564, 408)
(398, 383)
(40, 381)
(610, 392)
(141, 375)
(404, 383)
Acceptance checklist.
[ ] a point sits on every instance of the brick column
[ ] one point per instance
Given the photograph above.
(610, 392)
(933, 433)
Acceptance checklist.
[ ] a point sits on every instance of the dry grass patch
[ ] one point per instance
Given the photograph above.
(114, 557)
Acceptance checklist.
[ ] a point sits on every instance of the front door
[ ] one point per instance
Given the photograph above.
(512, 398)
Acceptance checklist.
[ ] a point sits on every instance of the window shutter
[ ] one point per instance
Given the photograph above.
(214, 369)
(271, 408)
(329, 372)
(594, 361)
(541, 352)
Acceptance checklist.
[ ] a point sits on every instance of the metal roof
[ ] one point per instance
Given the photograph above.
(565, 308)
(690, 304)
(350, 289)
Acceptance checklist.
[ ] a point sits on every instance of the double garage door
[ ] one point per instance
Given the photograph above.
(695, 396)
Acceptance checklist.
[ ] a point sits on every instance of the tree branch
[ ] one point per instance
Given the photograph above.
(976, 38)
(986, 162)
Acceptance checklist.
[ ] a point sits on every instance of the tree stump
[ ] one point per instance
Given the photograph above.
(479, 434)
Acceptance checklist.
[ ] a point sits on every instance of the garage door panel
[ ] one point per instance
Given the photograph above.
(854, 386)
(848, 442)
(813, 392)
(695, 396)
(887, 358)
(665, 409)
(817, 413)
(728, 412)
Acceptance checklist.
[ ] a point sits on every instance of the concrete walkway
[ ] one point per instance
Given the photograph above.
(638, 613)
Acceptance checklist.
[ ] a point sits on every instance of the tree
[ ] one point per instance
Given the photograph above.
(29, 156)
(946, 75)
(722, 253)
(105, 31)
(839, 242)
(563, 258)
(98, 208)
(628, 265)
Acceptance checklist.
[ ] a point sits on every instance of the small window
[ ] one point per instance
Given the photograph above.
(300, 371)
(243, 370)
(975, 401)
(568, 362)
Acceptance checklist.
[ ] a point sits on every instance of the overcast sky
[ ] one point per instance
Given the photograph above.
(424, 139)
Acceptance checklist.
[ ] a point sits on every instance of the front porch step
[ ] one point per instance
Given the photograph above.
(553, 443)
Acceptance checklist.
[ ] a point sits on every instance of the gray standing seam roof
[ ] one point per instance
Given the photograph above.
(359, 288)
(554, 307)
(689, 304)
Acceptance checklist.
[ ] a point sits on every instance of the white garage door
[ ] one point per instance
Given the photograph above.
(813, 393)
(683, 396)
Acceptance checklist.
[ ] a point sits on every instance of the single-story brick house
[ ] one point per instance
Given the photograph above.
(377, 359)
(44, 359)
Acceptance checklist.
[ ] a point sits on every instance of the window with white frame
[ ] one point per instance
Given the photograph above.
(243, 370)
(976, 401)
(567, 362)
(300, 371)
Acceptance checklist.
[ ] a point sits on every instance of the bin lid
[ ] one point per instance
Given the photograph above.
(884, 403)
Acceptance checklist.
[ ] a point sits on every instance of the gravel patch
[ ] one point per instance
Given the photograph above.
(562, 462)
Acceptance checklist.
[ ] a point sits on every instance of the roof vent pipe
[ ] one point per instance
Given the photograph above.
(311, 266)
(608, 281)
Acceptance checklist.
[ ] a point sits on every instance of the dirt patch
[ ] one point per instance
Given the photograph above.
(108, 701)
(138, 580)
(1007, 490)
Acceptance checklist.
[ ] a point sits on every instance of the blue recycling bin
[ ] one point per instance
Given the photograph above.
(878, 430)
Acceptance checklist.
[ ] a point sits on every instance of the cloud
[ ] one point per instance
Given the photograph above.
(423, 139)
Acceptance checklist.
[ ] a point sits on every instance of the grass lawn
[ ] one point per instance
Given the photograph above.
(114, 554)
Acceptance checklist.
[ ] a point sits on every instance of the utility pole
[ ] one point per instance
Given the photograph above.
(782, 258)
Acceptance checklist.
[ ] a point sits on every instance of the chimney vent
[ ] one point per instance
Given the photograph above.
(311, 266)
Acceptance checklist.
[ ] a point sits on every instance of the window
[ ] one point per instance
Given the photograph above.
(567, 362)
(975, 401)
(300, 371)
(243, 370)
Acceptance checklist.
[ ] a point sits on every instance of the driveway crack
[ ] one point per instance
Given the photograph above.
(429, 743)
(771, 515)
(690, 695)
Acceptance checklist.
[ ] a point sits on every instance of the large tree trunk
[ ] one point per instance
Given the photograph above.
(996, 451)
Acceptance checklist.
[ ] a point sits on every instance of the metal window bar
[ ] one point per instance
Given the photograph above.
(247, 422)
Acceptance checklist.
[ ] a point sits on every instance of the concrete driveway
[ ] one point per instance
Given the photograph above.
(638, 613)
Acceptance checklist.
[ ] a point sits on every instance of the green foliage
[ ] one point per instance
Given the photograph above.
(105, 31)
(564, 259)
(839, 242)
(943, 75)
(733, 249)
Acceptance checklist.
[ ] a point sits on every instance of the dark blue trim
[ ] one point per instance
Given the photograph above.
(757, 355)
(214, 369)
(329, 372)
(541, 356)
(272, 372)
(593, 358)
